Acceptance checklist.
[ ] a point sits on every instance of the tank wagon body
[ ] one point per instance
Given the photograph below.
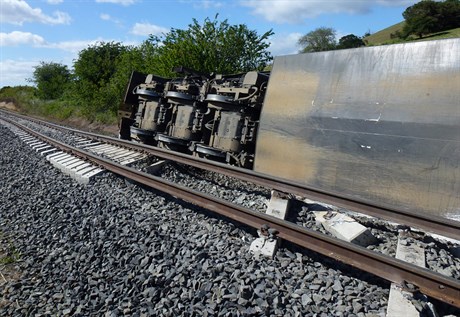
(381, 124)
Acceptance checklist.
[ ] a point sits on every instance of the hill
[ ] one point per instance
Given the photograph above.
(384, 36)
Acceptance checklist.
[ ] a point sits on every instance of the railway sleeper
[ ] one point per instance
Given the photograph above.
(400, 300)
(267, 243)
(78, 169)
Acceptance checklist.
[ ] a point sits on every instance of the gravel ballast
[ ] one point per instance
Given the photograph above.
(111, 248)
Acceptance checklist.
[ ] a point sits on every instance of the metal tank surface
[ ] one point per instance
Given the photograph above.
(381, 124)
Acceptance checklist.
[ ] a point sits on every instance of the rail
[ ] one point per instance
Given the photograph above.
(435, 224)
(432, 284)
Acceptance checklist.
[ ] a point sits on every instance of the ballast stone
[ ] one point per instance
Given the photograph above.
(344, 227)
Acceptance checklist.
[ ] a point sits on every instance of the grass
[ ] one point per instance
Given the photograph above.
(383, 37)
(8, 252)
(12, 255)
(25, 100)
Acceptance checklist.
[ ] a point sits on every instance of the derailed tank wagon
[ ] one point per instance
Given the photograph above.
(378, 123)
(215, 117)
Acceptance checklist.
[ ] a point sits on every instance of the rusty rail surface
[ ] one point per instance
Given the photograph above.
(432, 284)
(435, 224)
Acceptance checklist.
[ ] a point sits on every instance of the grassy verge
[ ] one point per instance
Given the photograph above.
(23, 99)
(385, 37)
(8, 252)
(9, 270)
(9, 255)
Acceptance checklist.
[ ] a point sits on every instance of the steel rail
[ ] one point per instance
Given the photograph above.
(431, 223)
(430, 283)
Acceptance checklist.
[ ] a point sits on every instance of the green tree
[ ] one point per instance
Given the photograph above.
(429, 16)
(421, 18)
(449, 12)
(51, 79)
(212, 47)
(350, 41)
(320, 39)
(94, 68)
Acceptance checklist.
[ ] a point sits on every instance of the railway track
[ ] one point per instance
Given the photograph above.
(429, 283)
(429, 223)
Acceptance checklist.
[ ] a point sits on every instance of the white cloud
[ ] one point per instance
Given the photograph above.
(204, 4)
(18, 11)
(18, 38)
(75, 46)
(15, 72)
(284, 44)
(122, 2)
(108, 17)
(145, 29)
(296, 11)
(55, 1)
(105, 17)
(396, 2)
(208, 4)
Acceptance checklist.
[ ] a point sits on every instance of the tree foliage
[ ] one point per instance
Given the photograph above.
(94, 69)
(212, 47)
(101, 71)
(320, 39)
(449, 12)
(51, 79)
(133, 58)
(421, 18)
(350, 41)
(429, 16)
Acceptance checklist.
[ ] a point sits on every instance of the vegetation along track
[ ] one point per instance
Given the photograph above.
(432, 284)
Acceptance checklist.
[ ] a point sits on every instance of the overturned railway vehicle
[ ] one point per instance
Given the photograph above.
(380, 124)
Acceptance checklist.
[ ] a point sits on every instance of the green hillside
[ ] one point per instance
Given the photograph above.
(384, 36)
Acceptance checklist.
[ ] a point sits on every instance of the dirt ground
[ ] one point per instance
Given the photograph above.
(8, 106)
(82, 124)
(8, 271)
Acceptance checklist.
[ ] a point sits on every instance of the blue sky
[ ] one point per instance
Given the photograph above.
(56, 30)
